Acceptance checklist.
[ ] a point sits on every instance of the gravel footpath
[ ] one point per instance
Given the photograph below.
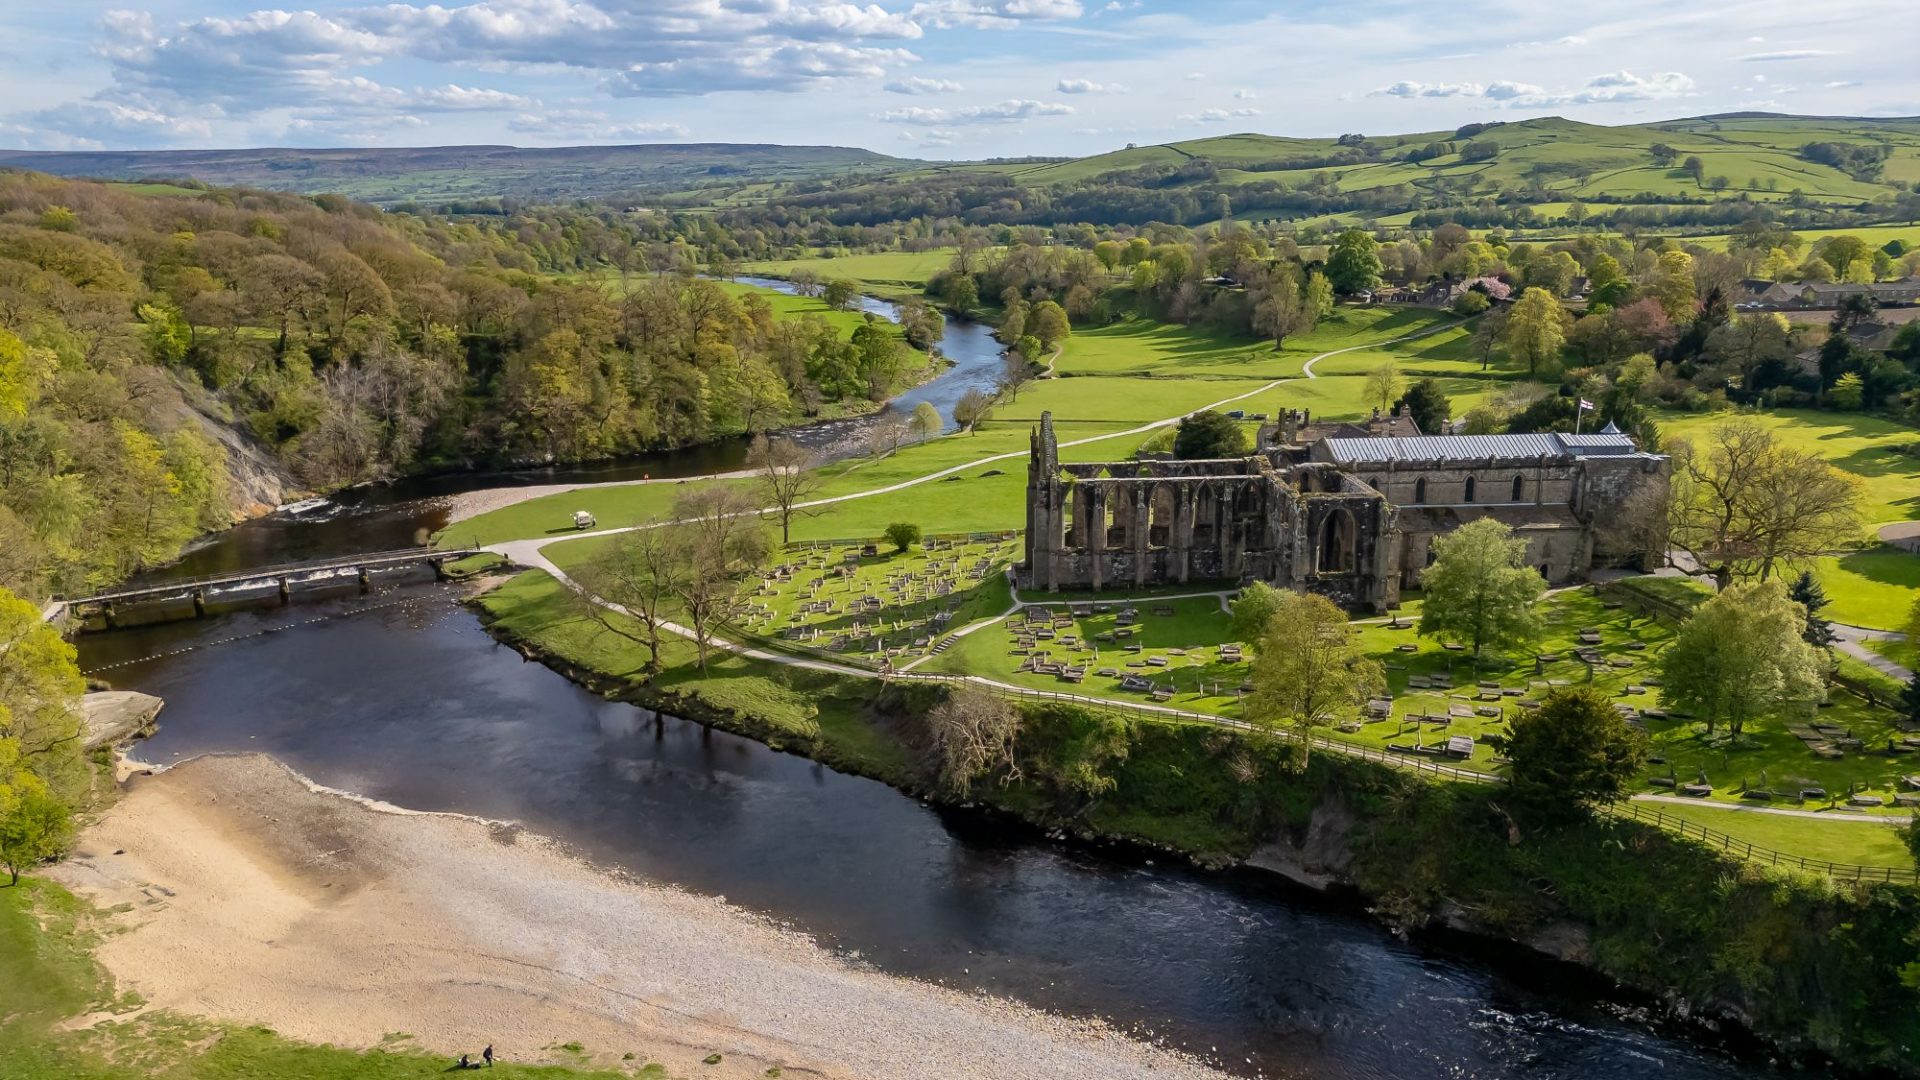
(254, 896)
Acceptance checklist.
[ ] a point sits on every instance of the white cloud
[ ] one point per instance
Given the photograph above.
(1243, 94)
(1612, 87)
(1194, 76)
(1783, 54)
(1841, 84)
(586, 125)
(917, 85)
(1005, 112)
(1088, 86)
(1217, 116)
(992, 14)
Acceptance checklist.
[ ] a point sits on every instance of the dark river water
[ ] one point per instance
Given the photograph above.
(399, 695)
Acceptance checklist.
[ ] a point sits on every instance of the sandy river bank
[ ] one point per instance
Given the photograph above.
(253, 896)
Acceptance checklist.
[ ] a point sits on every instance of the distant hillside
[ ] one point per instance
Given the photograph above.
(445, 173)
(1686, 172)
(1758, 153)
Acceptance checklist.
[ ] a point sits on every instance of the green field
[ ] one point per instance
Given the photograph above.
(883, 271)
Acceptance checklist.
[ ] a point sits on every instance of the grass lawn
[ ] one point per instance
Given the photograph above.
(1859, 842)
(47, 975)
(1140, 345)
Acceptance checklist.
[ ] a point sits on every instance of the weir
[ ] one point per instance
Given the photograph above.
(282, 579)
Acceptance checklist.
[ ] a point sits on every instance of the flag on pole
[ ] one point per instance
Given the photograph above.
(1585, 404)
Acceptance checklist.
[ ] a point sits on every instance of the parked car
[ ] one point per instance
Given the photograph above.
(583, 520)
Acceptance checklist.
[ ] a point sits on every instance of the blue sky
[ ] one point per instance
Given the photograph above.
(918, 78)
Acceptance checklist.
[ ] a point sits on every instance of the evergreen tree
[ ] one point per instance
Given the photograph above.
(1806, 592)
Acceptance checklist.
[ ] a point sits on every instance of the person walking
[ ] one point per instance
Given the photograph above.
(487, 1055)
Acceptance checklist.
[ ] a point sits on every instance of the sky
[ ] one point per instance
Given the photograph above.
(943, 79)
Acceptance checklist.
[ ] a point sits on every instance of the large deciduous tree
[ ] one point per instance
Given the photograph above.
(628, 586)
(1743, 502)
(1480, 588)
(1208, 434)
(718, 538)
(1354, 263)
(1309, 668)
(787, 477)
(1535, 329)
(1741, 657)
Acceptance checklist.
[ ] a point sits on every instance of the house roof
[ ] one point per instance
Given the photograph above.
(1466, 448)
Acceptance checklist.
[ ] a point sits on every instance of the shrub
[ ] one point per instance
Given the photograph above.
(903, 534)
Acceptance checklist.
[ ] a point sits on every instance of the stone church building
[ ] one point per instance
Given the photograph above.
(1348, 513)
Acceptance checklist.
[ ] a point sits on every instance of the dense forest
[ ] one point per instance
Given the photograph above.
(138, 332)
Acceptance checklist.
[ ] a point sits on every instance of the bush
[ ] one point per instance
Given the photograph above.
(903, 534)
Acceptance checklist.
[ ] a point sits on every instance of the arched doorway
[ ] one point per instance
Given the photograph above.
(1336, 543)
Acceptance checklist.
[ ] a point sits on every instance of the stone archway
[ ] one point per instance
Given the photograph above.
(1334, 551)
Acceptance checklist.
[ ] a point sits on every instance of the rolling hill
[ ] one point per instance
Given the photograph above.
(444, 173)
(1548, 161)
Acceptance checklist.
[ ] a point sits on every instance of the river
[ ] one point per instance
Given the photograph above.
(402, 696)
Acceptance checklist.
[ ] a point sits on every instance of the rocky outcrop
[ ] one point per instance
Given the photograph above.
(1323, 852)
(256, 480)
(115, 716)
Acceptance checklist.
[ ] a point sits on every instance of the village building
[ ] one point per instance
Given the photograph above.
(1350, 516)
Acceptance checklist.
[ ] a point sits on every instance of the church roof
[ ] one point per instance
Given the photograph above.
(1467, 448)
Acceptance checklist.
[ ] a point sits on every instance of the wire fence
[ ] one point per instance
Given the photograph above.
(1733, 845)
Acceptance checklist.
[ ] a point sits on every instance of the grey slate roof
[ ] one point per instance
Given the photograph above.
(1470, 448)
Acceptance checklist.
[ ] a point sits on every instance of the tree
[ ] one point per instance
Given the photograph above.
(1048, 323)
(887, 434)
(1354, 263)
(787, 476)
(1480, 588)
(903, 535)
(34, 827)
(1536, 328)
(1318, 297)
(972, 408)
(1908, 706)
(1283, 312)
(40, 687)
(1207, 434)
(1470, 303)
(1673, 285)
(1806, 592)
(1572, 754)
(973, 733)
(1383, 385)
(961, 293)
(1695, 168)
(1491, 331)
(1309, 668)
(627, 585)
(1016, 371)
(717, 539)
(840, 294)
(1428, 405)
(925, 422)
(1741, 657)
(1252, 610)
(1745, 502)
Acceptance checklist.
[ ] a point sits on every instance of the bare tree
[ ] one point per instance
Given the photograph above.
(787, 477)
(628, 585)
(889, 432)
(973, 733)
(716, 539)
(1744, 502)
(971, 409)
(1016, 371)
